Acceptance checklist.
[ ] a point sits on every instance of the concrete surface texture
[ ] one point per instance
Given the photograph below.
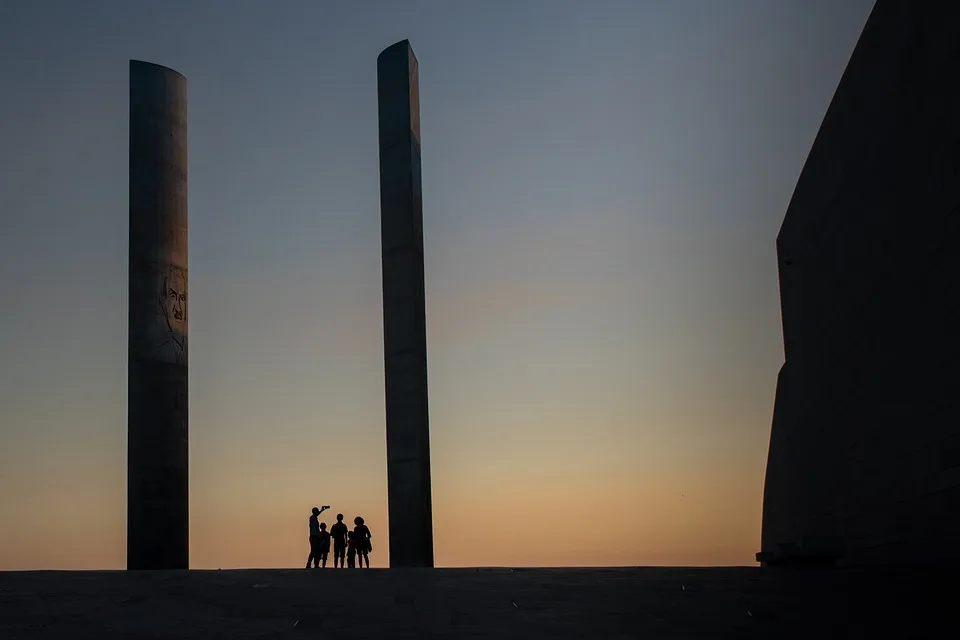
(157, 494)
(647, 603)
(864, 459)
(409, 500)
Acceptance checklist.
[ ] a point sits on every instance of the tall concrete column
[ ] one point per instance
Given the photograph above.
(157, 474)
(404, 310)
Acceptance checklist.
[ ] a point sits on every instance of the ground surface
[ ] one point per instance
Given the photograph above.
(645, 603)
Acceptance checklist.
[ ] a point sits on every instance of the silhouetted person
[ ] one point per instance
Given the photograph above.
(351, 549)
(315, 539)
(339, 534)
(324, 544)
(361, 541)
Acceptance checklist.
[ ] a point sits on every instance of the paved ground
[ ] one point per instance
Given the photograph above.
(472, 603)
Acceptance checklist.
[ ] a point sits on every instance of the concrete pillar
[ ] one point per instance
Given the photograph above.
(404, 310)
(157, 474)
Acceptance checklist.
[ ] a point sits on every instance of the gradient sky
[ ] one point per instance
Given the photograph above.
(603, 182)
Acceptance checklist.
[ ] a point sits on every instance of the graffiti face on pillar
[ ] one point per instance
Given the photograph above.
(172, 311)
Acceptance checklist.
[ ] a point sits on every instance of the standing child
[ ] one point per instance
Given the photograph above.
(324, 543)
(351, 550)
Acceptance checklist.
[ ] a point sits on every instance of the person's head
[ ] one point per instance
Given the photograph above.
(316, 511)
(339, 517)
(358, 521)
(323, 526)
(173, 298)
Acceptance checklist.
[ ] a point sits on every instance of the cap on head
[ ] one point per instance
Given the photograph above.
(339, 517)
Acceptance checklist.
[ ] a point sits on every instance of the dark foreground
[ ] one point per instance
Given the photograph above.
(647, 603)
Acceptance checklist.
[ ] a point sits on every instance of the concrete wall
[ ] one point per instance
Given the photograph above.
(157, 473)
(864, 460)
(404, 310)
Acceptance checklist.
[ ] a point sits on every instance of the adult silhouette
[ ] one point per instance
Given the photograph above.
(339, 534)
(361, 539)
(316, 539)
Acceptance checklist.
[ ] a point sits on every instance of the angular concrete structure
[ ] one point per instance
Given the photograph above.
(864, 459)
(404, 310)
(157, 474)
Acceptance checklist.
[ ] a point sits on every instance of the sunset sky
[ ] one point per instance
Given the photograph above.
(603, 182)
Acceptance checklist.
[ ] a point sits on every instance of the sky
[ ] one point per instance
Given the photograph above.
(603, 183)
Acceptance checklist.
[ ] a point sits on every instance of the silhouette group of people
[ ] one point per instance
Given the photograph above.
(349, 545)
